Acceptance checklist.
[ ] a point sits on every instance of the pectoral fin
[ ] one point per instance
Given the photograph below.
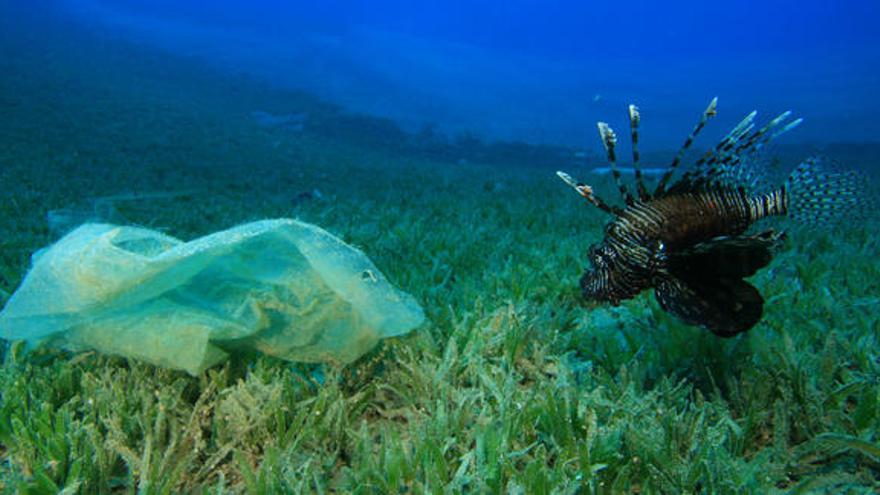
(726, 257)
(726, 307)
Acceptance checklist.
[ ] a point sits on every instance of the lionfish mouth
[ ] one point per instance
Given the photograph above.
(598, 285)
(593, 285)
(609, 278)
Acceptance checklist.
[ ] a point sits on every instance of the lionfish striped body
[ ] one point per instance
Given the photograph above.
(690, 241)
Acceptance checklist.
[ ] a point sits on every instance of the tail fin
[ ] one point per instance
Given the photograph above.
(816, 194)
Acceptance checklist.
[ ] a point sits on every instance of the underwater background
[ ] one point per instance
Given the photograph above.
(427, 135)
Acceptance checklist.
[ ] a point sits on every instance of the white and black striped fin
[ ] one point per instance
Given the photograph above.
(746, 173)
(708, 113)
(787, 127)
(635, 119)
(816, 194)
(734, 161)
(764, 135)
(725, 306)
(609, 141)
(727, 256)
(587, 192)
(749, 144)
(728, 142)
(744, 141)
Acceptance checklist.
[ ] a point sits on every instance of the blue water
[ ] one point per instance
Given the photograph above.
(538, 71)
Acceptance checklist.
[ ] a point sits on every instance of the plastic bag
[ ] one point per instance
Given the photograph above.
(283, 287)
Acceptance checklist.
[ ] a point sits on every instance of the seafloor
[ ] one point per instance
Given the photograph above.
(513, 386)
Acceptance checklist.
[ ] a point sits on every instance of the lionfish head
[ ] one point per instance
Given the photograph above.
(608, 279)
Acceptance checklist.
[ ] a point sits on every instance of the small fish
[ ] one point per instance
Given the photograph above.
(690, 241)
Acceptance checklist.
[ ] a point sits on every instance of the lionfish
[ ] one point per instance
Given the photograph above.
(689, 240)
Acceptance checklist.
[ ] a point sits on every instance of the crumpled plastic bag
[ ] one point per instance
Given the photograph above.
(283, 287)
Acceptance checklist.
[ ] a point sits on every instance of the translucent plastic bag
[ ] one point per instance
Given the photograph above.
(283, 287)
